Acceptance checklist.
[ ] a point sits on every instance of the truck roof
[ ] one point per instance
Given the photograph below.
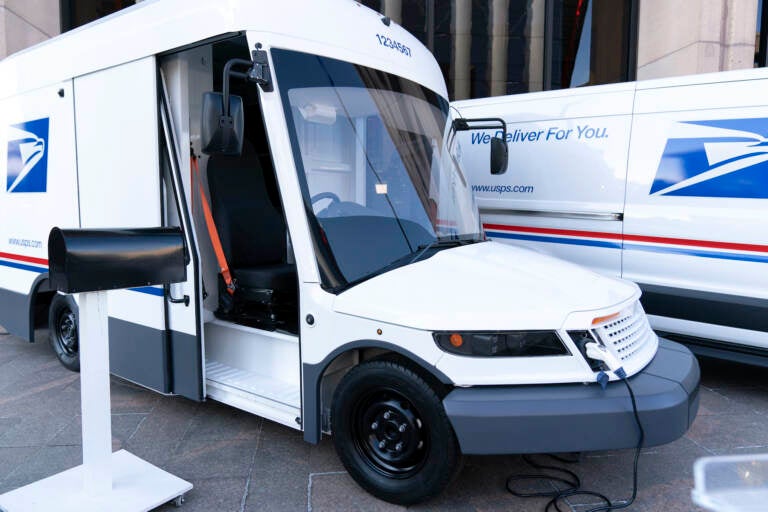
(155, 26)
(738, 75)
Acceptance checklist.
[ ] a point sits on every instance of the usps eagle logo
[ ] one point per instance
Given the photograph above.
(729, 160)
(28, 156)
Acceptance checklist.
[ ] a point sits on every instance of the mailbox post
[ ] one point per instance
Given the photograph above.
(88, 263)
(95, 402)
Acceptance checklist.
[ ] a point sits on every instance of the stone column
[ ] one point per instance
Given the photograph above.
(498, 35)
(682, 37)
(24, 23)
(534, 37)
(462, 44)
(394, 10)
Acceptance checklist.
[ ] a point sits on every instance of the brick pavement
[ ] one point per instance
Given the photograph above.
(239, 462)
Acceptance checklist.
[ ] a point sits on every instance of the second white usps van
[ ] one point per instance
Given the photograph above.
(339, 279)
(663, 182)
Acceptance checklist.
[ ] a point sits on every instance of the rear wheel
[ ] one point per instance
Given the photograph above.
(63, 331)
(392, 434)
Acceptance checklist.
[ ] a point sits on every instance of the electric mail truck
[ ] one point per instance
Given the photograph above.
(663, 182)
(339, 279)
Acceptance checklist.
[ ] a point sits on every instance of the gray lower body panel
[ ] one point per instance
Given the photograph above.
(186, 360)
(710, 308)
(152, 358)
(14, 313)
(140, 354)
(578, 417)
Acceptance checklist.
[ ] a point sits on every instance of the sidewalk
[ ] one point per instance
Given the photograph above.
(239, 462)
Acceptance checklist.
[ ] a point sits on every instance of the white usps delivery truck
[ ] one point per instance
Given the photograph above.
(663, 182)
(339, 279)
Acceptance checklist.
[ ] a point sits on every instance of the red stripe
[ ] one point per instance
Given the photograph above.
(548, 231)
(28, 259)
(735, 246)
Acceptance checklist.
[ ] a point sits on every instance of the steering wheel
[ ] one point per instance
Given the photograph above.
(325, 195)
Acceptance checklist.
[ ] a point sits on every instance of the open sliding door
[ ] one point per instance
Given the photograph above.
(154, 341)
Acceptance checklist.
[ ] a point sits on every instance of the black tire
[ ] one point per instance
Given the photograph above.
(380, 404)
(63, 331)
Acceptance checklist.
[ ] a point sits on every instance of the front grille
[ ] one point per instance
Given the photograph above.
(628, 334)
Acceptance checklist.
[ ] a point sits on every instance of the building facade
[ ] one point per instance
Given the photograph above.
(498, 47)
(24, 23)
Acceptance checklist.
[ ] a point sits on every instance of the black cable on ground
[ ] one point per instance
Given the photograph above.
(571, 479)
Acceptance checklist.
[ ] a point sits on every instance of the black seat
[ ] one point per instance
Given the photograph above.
(251, 229)
(274, 277)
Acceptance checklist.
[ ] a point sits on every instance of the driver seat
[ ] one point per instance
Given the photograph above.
(252, 232)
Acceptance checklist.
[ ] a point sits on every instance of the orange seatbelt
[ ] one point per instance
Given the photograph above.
(213, 233)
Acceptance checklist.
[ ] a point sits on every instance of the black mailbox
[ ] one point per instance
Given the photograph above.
(85, 260)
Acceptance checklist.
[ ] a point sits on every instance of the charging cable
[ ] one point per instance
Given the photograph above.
(573, 483)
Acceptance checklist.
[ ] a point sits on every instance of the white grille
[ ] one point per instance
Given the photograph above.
(628, 334)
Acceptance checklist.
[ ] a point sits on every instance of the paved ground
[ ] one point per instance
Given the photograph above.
(239, 462)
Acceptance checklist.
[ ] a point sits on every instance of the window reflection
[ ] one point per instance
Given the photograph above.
(761, 36)
(497, 47)
(75, 13)
(590, 43)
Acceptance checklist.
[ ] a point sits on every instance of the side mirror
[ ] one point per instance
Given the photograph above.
(222, 131)
(499, 156)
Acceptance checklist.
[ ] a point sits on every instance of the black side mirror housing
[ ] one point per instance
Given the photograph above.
(222, 132)
(499, 156)
(499, 149)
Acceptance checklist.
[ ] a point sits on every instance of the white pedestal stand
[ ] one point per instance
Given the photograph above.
(120, 481)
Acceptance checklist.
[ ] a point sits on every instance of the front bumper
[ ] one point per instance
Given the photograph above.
(577, 417)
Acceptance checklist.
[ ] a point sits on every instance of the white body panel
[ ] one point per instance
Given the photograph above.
(133, 34)
(123, 145)
(108, 170)
(120, 187)
(687, 216)
(592, 127)
(528, 291)
(712, 220)
(254, 370)
(26, 215)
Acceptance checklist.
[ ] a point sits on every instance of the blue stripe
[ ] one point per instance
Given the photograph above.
(569, 241)
(149, 290)
(757, 258)
(22, 266)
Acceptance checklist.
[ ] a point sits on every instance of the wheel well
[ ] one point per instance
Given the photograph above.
(40, 302)
(439, 387)
(344, 362)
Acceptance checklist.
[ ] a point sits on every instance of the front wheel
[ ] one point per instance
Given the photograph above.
(392, 434)
(63, 331)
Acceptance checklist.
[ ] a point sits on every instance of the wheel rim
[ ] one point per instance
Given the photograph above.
(389, 433)
(66, 332)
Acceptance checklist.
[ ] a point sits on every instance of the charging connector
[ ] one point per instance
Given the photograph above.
(611, 363)
(601, 353)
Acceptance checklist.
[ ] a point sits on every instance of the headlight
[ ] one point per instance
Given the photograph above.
(502, 344)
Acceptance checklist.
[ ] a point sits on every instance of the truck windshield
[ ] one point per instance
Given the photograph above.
(379, 187)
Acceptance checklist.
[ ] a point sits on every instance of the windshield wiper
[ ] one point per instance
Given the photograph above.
(440, 243)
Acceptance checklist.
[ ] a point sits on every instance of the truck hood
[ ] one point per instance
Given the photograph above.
(483, 286)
